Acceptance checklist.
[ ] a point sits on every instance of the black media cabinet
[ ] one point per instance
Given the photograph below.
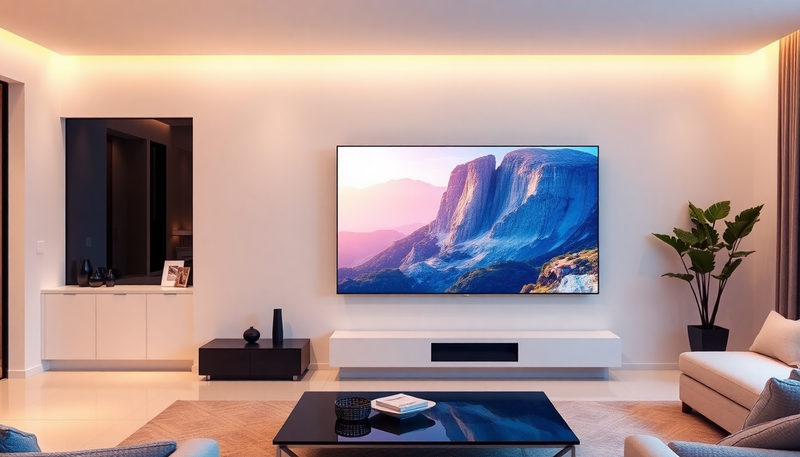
(229, 358)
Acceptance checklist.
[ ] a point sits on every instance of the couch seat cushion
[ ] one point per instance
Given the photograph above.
(740, 376)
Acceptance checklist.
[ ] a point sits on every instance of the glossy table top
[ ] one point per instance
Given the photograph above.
(463, 418)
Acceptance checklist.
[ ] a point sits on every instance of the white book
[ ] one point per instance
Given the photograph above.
(401, 403)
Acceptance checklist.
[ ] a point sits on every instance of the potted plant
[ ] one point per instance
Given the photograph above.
(701, 245)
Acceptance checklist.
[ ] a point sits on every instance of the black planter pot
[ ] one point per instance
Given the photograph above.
(707, 339)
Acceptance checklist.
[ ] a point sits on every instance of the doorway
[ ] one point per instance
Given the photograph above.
(4, 230)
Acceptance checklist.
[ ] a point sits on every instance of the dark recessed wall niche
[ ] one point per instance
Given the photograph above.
(128, 195)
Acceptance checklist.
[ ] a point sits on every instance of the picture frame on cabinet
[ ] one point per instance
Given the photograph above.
(182, 277)
(170, 272)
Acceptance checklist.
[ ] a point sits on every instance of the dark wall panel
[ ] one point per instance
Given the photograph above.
(86, 166)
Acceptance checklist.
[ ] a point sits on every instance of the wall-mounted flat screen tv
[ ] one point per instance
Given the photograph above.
(467, 220)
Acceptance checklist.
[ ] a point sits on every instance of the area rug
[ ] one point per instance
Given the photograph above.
(246, 428)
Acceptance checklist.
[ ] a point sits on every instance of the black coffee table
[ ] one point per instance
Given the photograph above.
(459, 419)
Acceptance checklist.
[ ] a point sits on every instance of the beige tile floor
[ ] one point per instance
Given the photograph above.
(82, 410)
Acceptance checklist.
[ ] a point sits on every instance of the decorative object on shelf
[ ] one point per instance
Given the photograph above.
(701, 245)
(352, 408)
(277, 326)
(183, 251)
(84, 271)
(182, 277)
(352, 429)
(96, 280)
(110, 278)
(170, 272)
(251, 335)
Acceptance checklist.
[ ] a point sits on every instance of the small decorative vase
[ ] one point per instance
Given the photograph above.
(251, 335)
(84, 271)
(96, 280)
(277, 326)
(110, 278)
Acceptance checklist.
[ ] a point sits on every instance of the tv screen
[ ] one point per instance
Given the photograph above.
(467, 220)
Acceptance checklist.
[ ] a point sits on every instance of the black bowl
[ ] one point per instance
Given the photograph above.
(352, 408)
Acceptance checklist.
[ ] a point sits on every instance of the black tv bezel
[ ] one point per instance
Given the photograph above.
(505, 294)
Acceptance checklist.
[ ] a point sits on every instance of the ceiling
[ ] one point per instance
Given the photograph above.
(400, 27)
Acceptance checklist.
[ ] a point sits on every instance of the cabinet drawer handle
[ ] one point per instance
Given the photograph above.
(170, 295)
(71, 294)
(121, 295)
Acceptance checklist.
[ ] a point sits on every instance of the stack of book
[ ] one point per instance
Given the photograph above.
(401, 403)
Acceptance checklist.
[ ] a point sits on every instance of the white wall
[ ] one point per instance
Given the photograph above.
(670, 129)
(36, 192)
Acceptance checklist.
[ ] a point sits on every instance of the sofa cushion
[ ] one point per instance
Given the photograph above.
(779, 338)
(780, 398)
(13, 440)
(155, 449)
(739, 376)
(783, 433)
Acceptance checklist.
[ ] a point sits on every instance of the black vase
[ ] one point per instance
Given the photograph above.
(707, 339)
(84, 271)
(251, 335)
(277, 326)
(96, 280)
(110, 278)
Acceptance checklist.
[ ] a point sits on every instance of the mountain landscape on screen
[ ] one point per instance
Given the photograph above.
(529, 225)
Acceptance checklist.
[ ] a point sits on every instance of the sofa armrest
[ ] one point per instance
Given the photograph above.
(197, 447)
(646, 446)
(687, 449)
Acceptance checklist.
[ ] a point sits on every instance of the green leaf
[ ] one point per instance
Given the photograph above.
(728, 269)
(743, 224)
(728, 235)
(683, 276)
(686, 237)
(696, 214)
(718, 211)
(741, 254)
(676, 244)
(713, 236)
(702, 261)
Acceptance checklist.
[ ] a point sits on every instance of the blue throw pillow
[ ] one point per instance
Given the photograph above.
(13, 440)
(783, 433)
(780, 398)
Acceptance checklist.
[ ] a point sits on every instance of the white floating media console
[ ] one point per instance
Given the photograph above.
(586, 353)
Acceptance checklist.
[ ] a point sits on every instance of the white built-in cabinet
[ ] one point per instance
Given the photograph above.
(123, 323)
(169, 327)
(69, 327)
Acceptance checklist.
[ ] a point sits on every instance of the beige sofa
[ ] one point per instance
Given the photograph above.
(723, 386)
(736, 390)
